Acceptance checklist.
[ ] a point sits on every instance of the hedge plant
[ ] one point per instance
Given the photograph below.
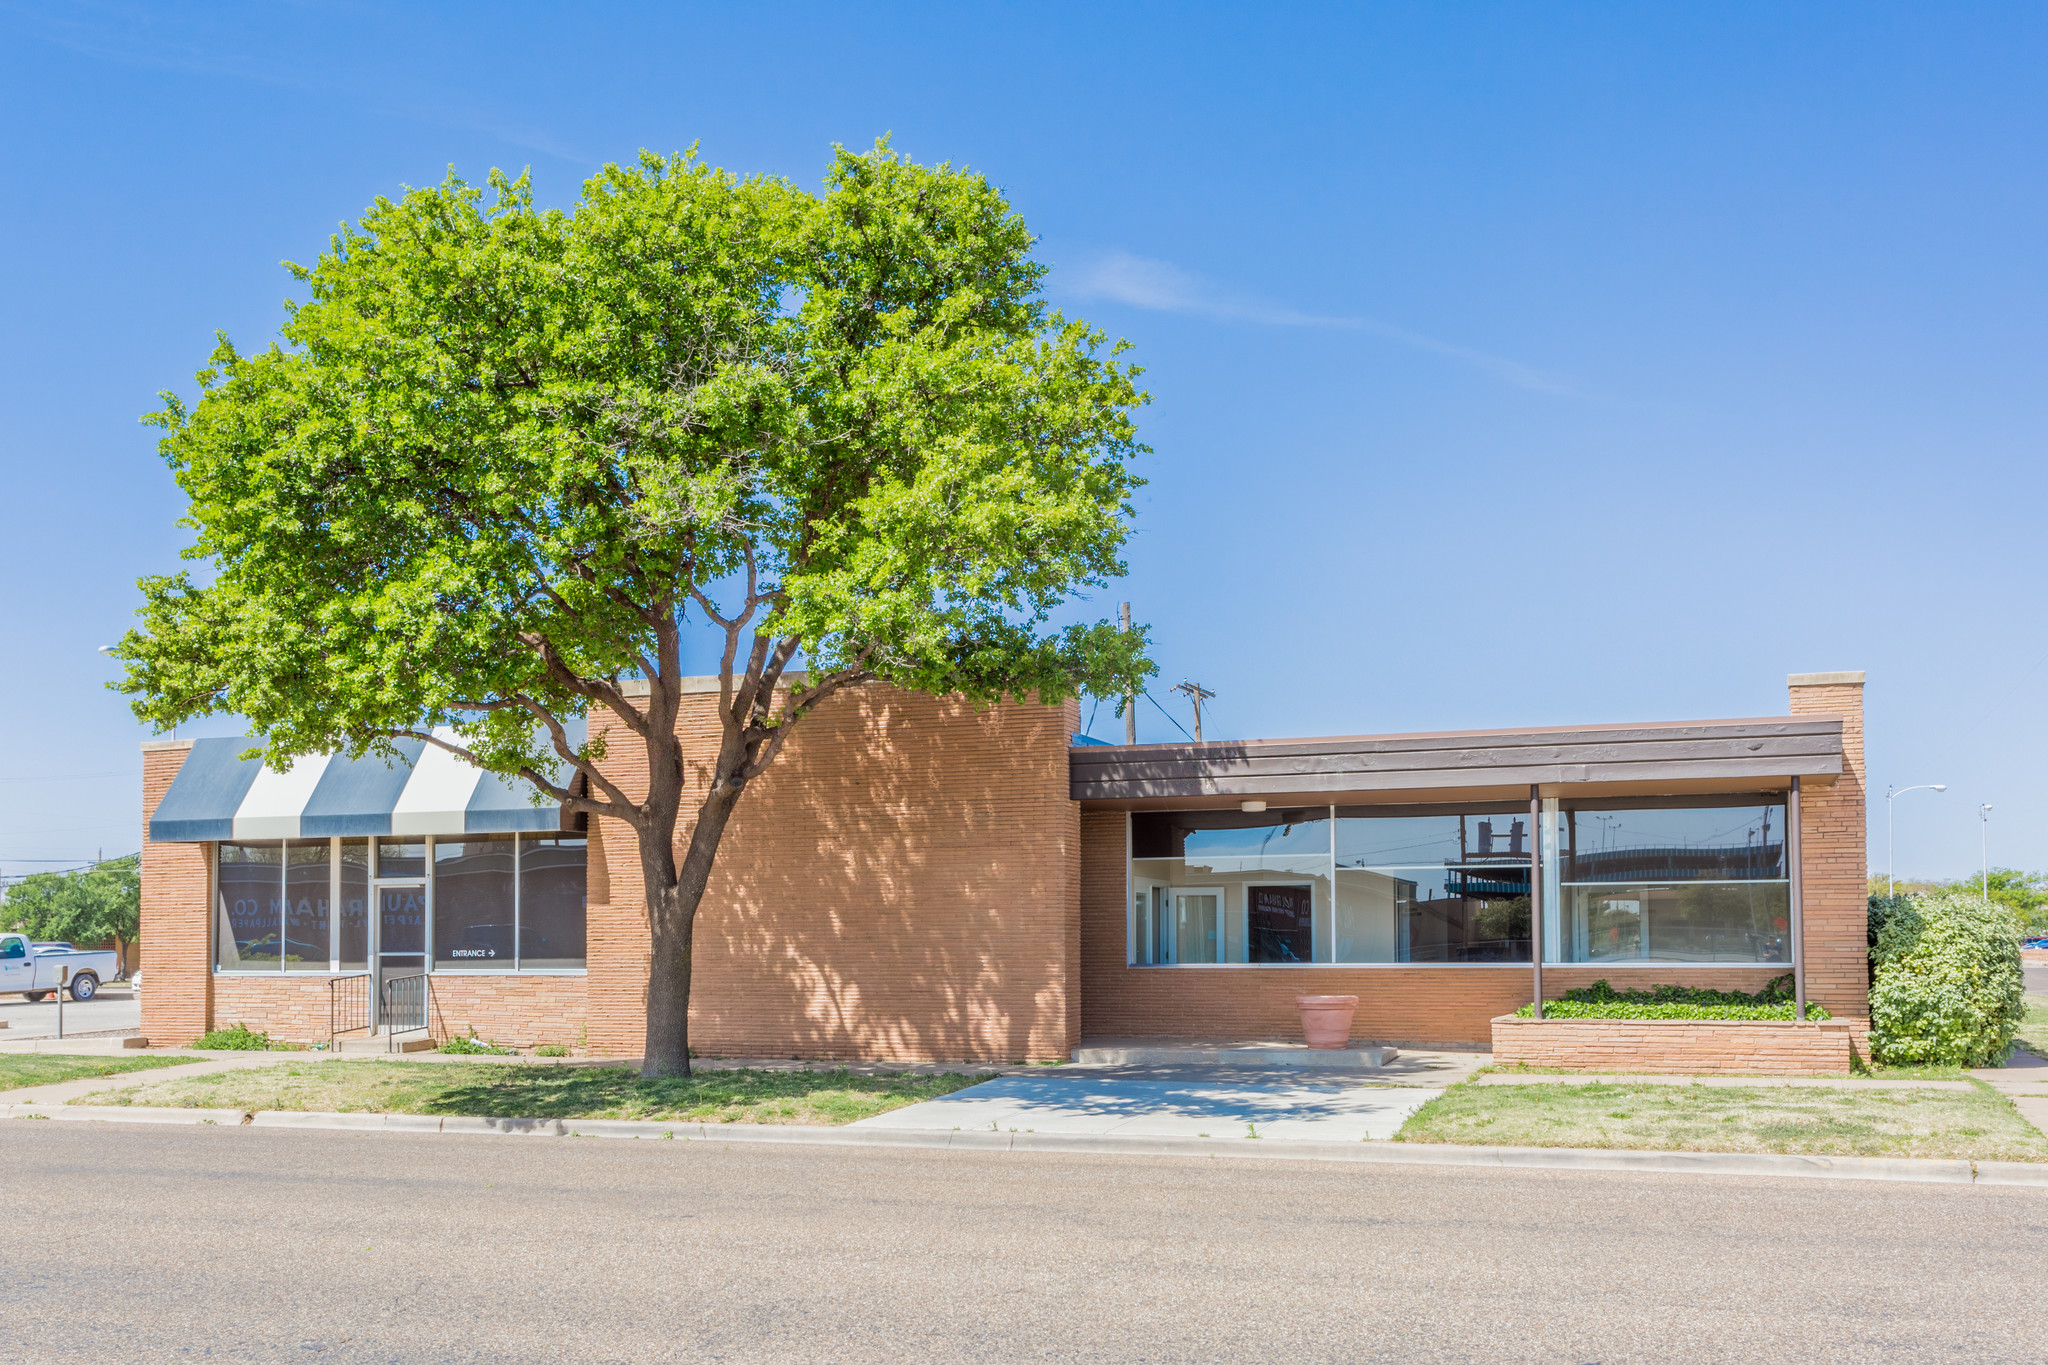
(1602, 1001)
(1948, 989)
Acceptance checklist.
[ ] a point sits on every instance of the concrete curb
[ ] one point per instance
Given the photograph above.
(1915, 1169)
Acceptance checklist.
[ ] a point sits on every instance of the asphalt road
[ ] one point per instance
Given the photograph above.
(231, 1244)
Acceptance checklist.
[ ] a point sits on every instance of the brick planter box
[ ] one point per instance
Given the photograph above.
(1685, 1046)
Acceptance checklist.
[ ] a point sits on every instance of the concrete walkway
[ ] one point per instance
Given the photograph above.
(1196, 1103)
(2023, 1080)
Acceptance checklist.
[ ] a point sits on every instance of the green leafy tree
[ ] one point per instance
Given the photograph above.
(504, 452)
(87, 906)
(2025, 894)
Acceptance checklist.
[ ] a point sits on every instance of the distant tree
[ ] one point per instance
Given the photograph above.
(2025, 894)
(505, 452)
(87, 907)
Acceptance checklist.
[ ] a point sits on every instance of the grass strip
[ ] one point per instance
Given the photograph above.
(1976, 1124)
(549, 1091)
(19, 1070)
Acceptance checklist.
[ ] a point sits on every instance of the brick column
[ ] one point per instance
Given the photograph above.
(1834, 853)
(177, 995)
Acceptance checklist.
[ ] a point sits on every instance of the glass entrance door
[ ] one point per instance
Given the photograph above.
(401, 933)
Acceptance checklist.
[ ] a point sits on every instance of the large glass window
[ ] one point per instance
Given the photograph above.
(552, 902)
(308, 894)
(475, 923)
(249, 906)
(1433, 883)
(353, 912)
(476, 903)
(1213, 887)
(401, 858)
(1698, 879)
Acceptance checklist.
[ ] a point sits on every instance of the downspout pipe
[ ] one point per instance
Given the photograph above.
(1536, 895)
(1794, 868)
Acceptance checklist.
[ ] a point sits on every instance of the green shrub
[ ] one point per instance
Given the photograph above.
(1948, 988)
(1602, 1001)
(1777, 991)
(473, 1046)
(551, 1050)
(240, 1038)
(1588, 1009)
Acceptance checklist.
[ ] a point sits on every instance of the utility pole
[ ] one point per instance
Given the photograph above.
(1984, 817)
(1130, 698)
(1197, 694)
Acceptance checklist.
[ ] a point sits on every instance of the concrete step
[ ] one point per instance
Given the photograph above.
(359, 1045)
(1235, 1054)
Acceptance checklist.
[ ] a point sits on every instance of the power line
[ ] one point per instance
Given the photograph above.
(1168, 714)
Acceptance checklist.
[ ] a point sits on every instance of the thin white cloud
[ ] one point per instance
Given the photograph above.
(193, 44)
(1163, 287)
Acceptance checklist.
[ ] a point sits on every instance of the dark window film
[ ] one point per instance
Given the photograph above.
(474, 924)
(354, 910)
(401, 858)
(402, 922)
(249, 906)
(307, 893)
(553, 870)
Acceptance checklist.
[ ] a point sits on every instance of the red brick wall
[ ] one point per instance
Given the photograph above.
(1835, 893)
(513, 1011)
(1681, 1046)
(178, 983)
(902, 884)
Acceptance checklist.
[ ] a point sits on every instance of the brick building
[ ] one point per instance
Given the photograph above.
(916, 879)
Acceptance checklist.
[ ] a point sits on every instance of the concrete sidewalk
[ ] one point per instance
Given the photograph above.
(1197, 1103)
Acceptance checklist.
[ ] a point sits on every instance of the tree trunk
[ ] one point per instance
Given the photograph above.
(673, 895)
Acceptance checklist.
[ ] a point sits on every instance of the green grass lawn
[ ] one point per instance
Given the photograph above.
(20, 1069)
(1842, 1120)
(544, 1091)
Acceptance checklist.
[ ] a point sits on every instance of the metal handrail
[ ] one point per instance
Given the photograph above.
(347, 1012)
(405, 1005)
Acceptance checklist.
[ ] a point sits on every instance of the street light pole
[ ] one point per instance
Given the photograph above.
(1889, 793)
(1984, 818)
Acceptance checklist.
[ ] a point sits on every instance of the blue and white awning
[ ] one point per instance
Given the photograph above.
(217, 794)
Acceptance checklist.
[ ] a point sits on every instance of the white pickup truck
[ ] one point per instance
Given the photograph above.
(33, 969)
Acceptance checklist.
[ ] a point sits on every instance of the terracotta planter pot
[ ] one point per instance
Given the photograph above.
(1326, 1019)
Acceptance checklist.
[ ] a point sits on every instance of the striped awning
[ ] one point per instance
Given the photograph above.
(218, 794)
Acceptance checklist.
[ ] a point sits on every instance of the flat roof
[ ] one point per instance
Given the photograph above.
(1755, 752)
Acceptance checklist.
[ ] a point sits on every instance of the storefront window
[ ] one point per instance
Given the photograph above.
(1214, 887)
(1699, 879)
(1433, 883)
(353, 909)
(249, 907)
(308, 896)
(482, 902)
(552, 904)
(475, 920)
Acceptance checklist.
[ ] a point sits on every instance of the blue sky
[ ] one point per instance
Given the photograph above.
(1512, 364)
